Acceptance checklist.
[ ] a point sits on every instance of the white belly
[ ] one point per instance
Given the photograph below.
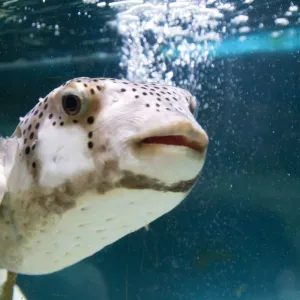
(88, 228)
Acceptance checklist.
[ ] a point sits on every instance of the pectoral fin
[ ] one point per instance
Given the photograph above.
(8, 152)
(8, 289)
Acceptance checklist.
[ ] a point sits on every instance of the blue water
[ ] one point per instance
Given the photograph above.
(283, 41)
(251, 176)
(242, 219)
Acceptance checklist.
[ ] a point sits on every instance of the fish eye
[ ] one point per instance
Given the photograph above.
(194, 107)
(191, 108)
(71, 104)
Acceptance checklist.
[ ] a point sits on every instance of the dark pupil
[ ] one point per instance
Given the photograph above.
(71, 104)
(192, 109)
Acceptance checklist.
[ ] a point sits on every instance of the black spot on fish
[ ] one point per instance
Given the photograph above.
(90, 120)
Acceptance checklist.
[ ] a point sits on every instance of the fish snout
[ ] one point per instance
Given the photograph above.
(193, 134)
(200, 137)
(182, 133)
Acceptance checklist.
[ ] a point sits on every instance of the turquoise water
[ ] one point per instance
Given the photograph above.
(236, 236)
(241, 218)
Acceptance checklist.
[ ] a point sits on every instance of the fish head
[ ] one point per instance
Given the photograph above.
(93, 161)
(112, 128)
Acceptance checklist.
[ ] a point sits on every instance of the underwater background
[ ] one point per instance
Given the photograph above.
(237, 235)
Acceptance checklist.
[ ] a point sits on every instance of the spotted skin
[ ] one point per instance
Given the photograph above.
(165, 98)
(83, 177)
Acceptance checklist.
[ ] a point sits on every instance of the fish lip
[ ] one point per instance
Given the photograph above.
(196, 140)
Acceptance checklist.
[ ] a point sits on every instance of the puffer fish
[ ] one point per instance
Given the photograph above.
(93, 161)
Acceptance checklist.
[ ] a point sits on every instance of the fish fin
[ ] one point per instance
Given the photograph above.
(3, 276)
(18, 295)
(8, 152)
(8, 289)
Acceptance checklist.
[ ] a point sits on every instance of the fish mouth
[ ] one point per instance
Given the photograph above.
(175, 140)
(180, 135)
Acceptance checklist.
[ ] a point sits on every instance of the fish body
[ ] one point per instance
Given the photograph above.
(93, 161)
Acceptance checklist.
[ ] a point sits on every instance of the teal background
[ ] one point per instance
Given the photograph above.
(242, 220)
